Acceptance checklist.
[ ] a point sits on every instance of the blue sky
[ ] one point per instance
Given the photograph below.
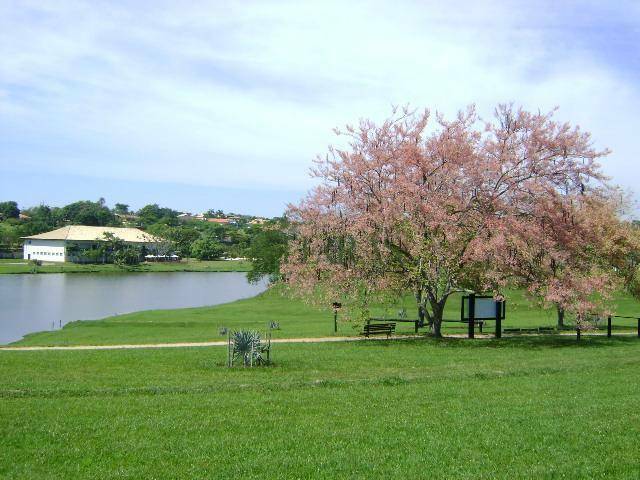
(199, 105)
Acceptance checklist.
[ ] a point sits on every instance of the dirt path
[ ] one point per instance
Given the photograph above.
(189, 344)
(275, 340)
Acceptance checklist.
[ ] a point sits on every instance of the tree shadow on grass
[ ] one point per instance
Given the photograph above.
(521, 342)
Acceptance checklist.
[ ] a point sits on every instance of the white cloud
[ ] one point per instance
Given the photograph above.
(246, 94)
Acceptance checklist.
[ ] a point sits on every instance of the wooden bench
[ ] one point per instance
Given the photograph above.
(538, 330)
(379, 329)
(416, 322)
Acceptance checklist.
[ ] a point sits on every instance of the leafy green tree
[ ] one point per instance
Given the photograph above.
(267, 249)
(207, 248)
(127, 256)
(182, 239)
(153, 213)
(237, 241)
(9, 210)
(121, 209)
(211, 213)
(42, 218)
(179, 237)
(92, 255)
(88, 213)
(111, 244)
(9, 236)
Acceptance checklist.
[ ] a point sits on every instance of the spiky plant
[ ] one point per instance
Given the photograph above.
(245, 344)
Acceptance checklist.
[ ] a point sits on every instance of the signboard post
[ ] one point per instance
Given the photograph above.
(478, 308)
(472, 315)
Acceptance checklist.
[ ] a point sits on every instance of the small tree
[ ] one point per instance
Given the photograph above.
(110, 245)
(127, 257)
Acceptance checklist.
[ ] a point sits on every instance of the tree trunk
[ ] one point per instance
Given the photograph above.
(421, 312)
(437, 328)
(560, 316)
(436, 317)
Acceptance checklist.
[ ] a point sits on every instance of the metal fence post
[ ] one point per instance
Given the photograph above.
(609, 326)
(639, 327)
(472, 314)
(498, 319)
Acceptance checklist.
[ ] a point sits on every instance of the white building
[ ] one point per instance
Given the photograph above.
(52, 246)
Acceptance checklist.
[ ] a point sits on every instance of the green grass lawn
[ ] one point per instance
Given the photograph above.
(191, 265)
(296, 319)
(514, 408)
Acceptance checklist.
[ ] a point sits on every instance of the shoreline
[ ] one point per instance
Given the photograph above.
(205, 266)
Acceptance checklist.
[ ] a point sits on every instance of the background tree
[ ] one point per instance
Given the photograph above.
(211, 213)
(153, 213)
(88, 213)
(207, 248)
(9, 210)
(127, 256)
(433, 213)
(180, 238)
(121, 209)
(42, 218)
(9, 236)
(266, 251)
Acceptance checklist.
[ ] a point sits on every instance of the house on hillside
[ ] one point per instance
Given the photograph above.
(186, 216)
(54, 246)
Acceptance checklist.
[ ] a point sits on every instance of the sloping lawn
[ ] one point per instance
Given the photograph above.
(296, 319)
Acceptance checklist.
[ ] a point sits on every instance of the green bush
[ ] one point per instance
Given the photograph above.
(127, 256)
(207, 248)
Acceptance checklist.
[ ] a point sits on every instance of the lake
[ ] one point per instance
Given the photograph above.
(31, 303)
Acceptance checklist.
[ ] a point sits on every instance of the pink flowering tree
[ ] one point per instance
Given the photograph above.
(576, 253)
(462, 204)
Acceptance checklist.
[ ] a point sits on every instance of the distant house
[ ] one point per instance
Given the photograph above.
(188, 216)
(52, 246)
(220, 220)
(258, 221)
(127, 217)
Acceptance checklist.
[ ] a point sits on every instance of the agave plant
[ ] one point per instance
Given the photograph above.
(246, 343)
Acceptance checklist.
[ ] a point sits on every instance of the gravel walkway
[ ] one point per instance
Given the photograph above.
(190, 344)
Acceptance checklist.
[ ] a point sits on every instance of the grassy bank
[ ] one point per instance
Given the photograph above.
(21, 266)
(296, 319)
(522, 408)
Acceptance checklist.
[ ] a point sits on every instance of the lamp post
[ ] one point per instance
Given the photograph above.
(336, 306)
